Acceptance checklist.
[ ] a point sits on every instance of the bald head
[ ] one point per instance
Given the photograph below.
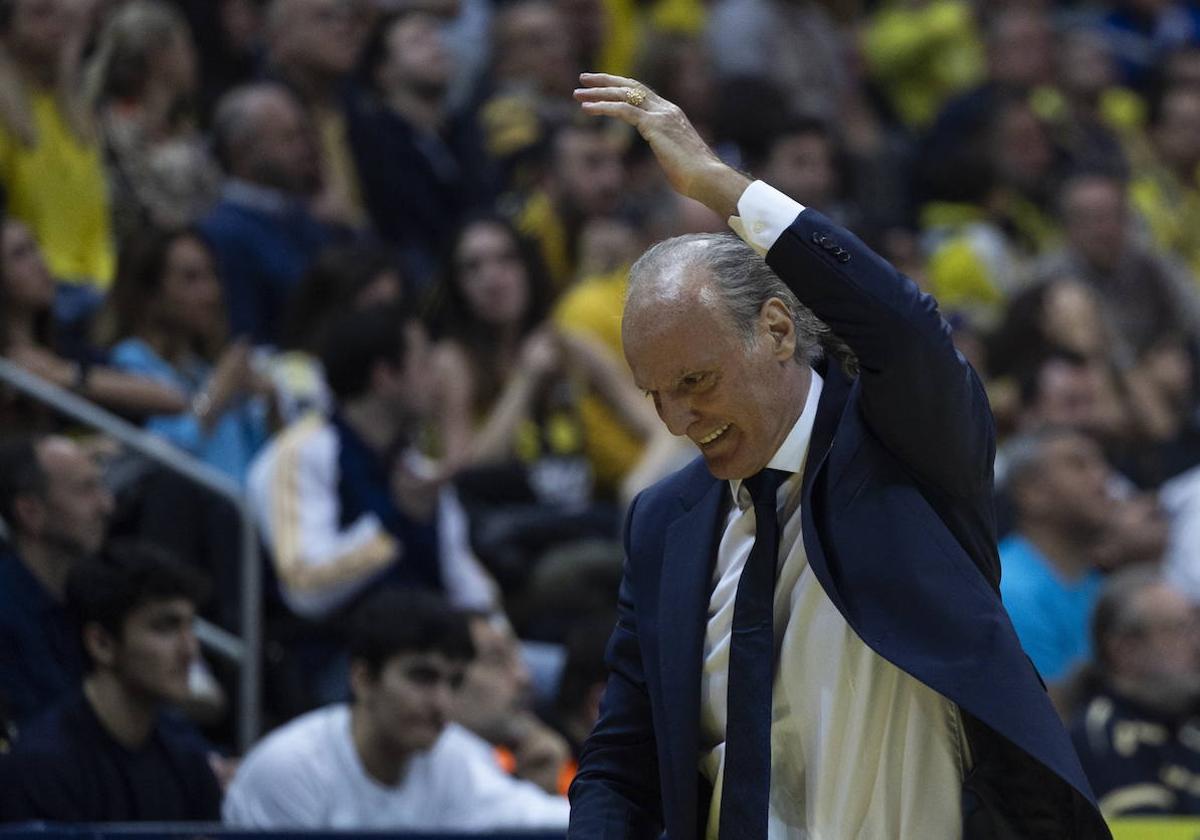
(262, 135)
(721, 346)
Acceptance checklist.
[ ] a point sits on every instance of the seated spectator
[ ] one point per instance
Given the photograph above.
(28, 338)
(343, 502)
(142, 80)
(1135, 728)
(390, 760)
(511, 385)
(57, 512)
(168, 323)
(51, 164)
(106, 753)
(1058, 481)
(343, 278)
(427, 163)
(496, 703)
(1144, 295)
(585, 177)
(262, 229)
(312, 47)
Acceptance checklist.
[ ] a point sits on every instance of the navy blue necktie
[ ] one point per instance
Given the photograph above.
(746, 786)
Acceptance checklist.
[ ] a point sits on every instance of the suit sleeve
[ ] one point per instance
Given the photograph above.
(919, 395)
(615, 794)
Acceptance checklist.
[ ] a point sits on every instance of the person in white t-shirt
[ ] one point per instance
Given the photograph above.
(389, 759)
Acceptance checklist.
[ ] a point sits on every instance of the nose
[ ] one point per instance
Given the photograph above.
(675, 412)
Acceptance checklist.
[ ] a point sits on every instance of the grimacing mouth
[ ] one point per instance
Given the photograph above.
(713, 435)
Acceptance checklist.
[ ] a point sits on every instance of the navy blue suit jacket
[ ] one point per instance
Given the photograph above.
(898, 527)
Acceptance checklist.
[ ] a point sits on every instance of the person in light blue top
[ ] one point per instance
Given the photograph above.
(1059, 482)
(167, 321)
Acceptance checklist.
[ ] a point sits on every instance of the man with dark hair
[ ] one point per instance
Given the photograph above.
(105, 754)
(343, 501)
(56, 510)
(389, 760)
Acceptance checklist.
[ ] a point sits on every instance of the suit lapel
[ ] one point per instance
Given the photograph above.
(688, 560)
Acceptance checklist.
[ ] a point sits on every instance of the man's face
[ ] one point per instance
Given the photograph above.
(1178, 133)
(1094, 213)
(409, 701)
(39, 29)
(74, 512)
(156, 649)
(283, 153)
(323, 36)
(417, 57)
(732, 398)
(497, 687)
(588, 170)
(1165, 641)
(533, 45)
(801, 166)
(1070, 488)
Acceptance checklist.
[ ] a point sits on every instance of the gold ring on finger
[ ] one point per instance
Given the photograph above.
(635, 96)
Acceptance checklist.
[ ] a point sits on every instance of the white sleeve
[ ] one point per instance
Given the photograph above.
(468, 584)
(764, 213)
(491, 800)
(293, 488)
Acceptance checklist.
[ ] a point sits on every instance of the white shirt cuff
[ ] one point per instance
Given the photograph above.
(764, 213)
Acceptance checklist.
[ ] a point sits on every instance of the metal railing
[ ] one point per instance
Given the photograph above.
(245, 649)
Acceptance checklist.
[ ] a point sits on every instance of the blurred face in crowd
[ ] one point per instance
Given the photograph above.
(1069, 488)
(282, 151)
(801, 166)
(322, 36)
(38, 30)
(1072, 318)
(1178, 132)
(407, 704)
(728, 395)
(408, 386)
(72, 515)
(1068, 396)
(175, 63)
(491, 275)
(190, 298)
(1085, 67)
(417, 57)
(588, 171)
(155, 651)
(28, 285)
(1163, 637)
(1021, 49)
(1022, 148)
(533, 45)
(1096, 218)
(497, 686)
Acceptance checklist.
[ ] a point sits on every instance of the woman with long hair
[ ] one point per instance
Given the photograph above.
(166, 320)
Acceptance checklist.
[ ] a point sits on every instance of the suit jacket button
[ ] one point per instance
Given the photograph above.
(817, 236)
(843, 257)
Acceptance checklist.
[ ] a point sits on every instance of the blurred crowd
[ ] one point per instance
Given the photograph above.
(365, 260)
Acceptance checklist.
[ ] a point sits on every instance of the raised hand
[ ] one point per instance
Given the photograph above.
(691, 167)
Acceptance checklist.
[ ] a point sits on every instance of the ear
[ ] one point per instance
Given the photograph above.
(361, 681)
(101, 647)
(777, 321)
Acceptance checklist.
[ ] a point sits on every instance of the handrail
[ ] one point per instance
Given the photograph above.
(245, 649)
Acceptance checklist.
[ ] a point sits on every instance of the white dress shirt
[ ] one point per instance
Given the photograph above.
(860, 750)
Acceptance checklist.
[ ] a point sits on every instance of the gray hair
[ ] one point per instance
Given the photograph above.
(235, 122)
(1114, 615)
(744, 282)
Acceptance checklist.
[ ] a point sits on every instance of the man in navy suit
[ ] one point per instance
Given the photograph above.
(863, 680)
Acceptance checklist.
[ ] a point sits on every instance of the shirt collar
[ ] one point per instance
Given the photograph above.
(793, 452)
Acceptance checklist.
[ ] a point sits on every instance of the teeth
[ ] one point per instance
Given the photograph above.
(707, 439)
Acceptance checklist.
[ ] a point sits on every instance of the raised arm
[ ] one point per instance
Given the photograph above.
(919, 396)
